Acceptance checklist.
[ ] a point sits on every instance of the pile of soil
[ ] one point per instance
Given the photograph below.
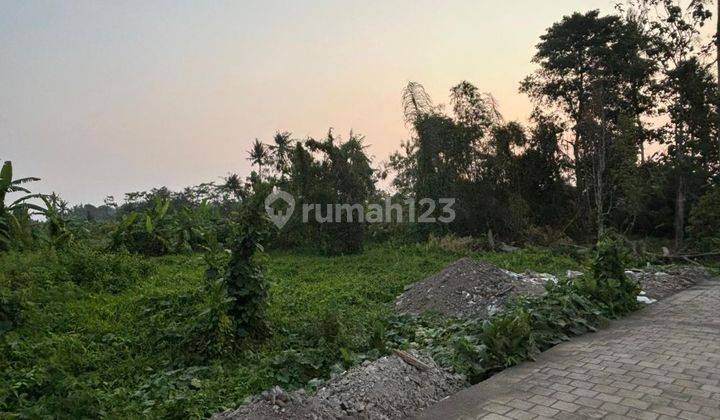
(658, 284)
(469, 289)
(386, 388)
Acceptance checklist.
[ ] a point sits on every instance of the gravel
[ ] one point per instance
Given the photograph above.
(469, 289)
(383, 389)
(659, 283)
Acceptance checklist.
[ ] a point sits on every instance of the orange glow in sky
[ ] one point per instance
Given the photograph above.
(103, 98)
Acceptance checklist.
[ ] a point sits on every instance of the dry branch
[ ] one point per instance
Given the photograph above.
(412, 360)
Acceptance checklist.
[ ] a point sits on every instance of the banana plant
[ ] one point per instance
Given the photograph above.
(58, 232)
(155, 225)
(8, 220)
(118, 238)
(187, 229)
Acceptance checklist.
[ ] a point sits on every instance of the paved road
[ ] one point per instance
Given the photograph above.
(660, 363)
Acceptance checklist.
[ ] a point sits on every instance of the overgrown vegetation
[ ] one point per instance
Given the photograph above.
(168, 304)
(153, 346)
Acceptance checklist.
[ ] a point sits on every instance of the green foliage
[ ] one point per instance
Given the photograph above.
(10, 306)
(608, 285)
(328, 173)
(705, 221)
(100, 271)
(59, 235)
(14, 218)
(157, 347)
(244, 279)
(161, 231)
(148, 234)
(509, 339)
(528, 326)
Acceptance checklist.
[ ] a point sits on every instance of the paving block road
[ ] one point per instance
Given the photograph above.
(662, 362)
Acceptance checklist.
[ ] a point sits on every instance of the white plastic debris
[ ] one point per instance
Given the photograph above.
(646, 300)
(574, 274)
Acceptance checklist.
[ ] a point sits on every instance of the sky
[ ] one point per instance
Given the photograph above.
(102, 98)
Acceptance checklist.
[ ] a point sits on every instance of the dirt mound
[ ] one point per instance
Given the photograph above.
(469, 289)
(386, 388)
(657, 283)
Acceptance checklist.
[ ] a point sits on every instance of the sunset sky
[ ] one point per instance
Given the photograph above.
(100, 97)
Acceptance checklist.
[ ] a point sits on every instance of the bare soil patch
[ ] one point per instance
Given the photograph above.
(386, 388)
(469, 289)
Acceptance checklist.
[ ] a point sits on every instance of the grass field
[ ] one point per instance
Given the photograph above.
(102, 335)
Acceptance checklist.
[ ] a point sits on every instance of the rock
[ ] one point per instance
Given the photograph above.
(508, 248)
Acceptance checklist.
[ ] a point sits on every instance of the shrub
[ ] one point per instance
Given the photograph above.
(704, 226)
(608, 285)
(112, 272)
(10, 306)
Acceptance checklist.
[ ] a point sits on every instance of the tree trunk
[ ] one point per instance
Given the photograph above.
(679, 213)
(599, 174)
(599, 207)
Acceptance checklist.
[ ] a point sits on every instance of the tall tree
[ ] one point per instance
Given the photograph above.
(258, 155)
(687, 90)
(416, 102)
(586, 59)
(281, 151)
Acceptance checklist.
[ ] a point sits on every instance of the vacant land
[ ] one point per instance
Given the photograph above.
(100, 335)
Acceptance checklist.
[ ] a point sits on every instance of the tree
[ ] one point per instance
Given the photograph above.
(281, 151)
(593, 67)
(692, 104)
(597, 138)
(58, 233)
(234, 185)
(541, 184)
(259, 155)
(8, 218)
(343, 176)
(416, 102)
(687, 89)
(404, 164)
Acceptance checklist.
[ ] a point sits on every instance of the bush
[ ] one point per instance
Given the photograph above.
(10, 306)
(96, 270)
(704, 226)
(608, 285)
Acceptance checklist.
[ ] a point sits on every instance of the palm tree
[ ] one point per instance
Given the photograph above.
(9, 185)
(233, 185)
(258, 155)
(281, 152)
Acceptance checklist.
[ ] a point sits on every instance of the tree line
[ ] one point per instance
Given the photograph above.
(624, 136)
